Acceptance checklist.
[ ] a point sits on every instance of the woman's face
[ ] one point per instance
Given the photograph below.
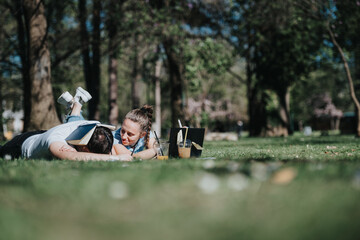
(130, 132)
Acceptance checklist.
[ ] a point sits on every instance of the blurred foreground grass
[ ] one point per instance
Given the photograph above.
(256, 188)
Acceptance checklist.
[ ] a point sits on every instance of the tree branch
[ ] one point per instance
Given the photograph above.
(348, 74)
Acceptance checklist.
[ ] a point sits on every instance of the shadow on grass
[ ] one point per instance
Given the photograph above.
(15, 182)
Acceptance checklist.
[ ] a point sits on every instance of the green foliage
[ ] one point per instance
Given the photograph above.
(346, 23)
(204, 60)
(11, 80)
(327, 79)
(346, 28)
(272, 108)
(285, 46)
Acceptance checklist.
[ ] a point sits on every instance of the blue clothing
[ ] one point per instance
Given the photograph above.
(140, 146)
(70, 118)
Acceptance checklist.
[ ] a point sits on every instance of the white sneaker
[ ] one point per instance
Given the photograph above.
(66, 99)
(82, 96)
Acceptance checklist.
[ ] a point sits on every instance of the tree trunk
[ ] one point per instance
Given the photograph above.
(43, 113)
(136, 75)
(113, 62)
(113, 23)
(2, 137)
(284, 110)
(85, 43)
(91, 62)
(23, 36)
(348, 75)
(256, 98)
(1, 110)
(257, 113)
(113, 93)
(256, 105)
(158, 98)
(94, 84)
(176, 81)
(357, 66)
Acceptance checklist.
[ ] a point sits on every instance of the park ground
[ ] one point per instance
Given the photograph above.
(255, 188)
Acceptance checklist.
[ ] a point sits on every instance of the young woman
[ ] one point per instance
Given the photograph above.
(135, 136)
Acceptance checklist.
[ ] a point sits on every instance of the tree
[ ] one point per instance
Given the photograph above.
(349, 77)
(347, 22)
(324, 12)
(113, 23)
(286, 44)
(90, 50)
(277, 42)
(43, 113)
(30, 45)
(64, 41)
(176, 69)
(137, 59)
(11, 94)
(206, 64)
(169, 15)
(328, 78)
(346, 28)
(1, 80)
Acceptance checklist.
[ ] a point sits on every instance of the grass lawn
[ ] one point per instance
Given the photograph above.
(256, 188)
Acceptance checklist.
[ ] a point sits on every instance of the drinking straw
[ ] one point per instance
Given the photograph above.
(180, 125)
(185, 136)
(157, 139)
(135, 146)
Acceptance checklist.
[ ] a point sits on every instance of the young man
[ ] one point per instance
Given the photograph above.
(52, 144)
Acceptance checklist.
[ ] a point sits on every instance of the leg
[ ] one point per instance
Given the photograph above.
(13, 147)
(75, 114)
(74, 103)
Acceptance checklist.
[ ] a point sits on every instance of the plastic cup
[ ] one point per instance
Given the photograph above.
(184, 151)
(162, 149)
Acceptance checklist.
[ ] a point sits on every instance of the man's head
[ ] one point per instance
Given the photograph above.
(100, 142)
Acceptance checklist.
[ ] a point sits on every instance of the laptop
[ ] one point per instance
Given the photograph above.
(196, 135)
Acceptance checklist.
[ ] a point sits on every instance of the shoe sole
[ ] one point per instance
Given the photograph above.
(84, 92)
(62, 99)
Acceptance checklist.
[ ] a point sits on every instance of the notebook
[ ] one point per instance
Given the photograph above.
(196, 135)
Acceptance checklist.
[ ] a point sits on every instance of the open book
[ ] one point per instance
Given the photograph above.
(83, 134)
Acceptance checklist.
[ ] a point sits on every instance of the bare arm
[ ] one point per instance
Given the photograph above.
(145, 154)
(148, 153)
(121, 149)
(63, 151)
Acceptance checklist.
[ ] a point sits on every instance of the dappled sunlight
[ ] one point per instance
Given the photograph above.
(208, 183)
(237, 182)
(118, 190)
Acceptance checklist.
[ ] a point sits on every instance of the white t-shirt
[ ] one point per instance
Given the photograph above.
(37, 146)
